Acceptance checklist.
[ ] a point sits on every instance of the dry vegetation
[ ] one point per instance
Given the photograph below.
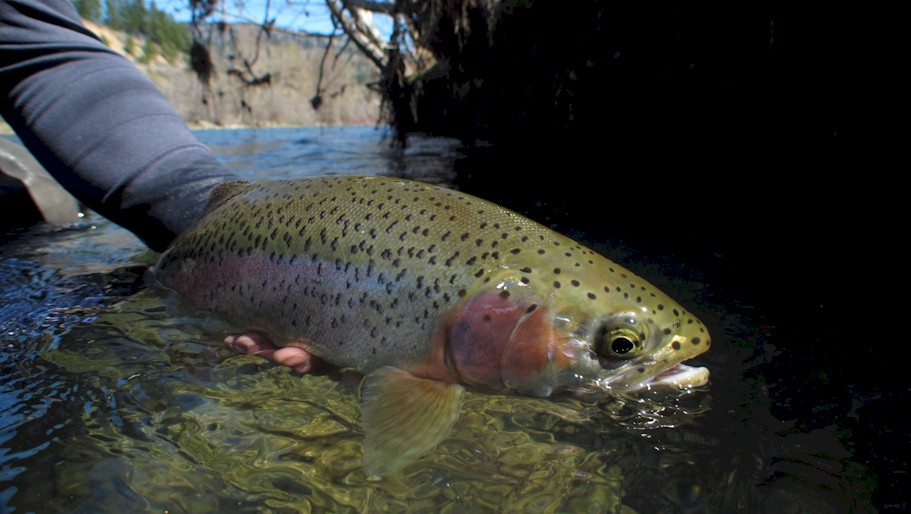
(293, 65)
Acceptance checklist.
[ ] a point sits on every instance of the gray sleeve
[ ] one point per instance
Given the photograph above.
(99, 125)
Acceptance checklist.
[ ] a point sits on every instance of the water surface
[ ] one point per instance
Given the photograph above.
(118, 398)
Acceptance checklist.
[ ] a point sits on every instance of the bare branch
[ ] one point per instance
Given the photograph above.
(358, 26)
(373, 6)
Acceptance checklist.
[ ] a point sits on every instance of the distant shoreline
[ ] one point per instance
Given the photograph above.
(6, 130)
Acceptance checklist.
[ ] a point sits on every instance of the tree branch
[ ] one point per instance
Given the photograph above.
(358, 26)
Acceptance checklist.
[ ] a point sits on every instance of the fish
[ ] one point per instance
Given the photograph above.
(427, 291)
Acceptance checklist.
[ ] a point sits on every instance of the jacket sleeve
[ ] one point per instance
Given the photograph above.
(99, 125)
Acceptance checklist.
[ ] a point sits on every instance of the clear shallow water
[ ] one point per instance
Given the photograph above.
(117, 398)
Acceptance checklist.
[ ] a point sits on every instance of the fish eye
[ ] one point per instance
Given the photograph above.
(620, 343)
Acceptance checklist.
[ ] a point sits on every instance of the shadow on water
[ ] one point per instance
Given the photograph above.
(118, 398)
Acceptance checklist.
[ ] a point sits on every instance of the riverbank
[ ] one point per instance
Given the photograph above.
(292, 68)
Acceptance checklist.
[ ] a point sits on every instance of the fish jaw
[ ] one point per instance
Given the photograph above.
(663, 370)
(580, 368)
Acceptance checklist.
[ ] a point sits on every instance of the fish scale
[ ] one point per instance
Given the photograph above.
(376, 273)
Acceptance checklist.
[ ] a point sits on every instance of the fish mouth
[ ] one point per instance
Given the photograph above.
(677, 376)
(680, 376)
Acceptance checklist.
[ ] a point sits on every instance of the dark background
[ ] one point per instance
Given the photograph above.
(755, 145)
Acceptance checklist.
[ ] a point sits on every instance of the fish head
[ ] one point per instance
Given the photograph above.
(628, 350)
(583, 326)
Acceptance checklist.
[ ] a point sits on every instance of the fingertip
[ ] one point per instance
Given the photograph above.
(291, 356)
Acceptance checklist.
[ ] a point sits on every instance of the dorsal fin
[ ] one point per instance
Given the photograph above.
(225, 191)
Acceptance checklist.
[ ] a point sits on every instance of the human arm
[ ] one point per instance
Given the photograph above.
(106, 133)
(99, 125)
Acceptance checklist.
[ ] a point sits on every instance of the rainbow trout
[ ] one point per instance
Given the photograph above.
(423, 290)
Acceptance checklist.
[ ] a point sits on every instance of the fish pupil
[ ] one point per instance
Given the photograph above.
(621, 345)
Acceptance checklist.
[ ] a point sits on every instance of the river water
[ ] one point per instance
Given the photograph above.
(115, 398)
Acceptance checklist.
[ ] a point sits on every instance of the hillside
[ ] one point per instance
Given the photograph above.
(292, 65)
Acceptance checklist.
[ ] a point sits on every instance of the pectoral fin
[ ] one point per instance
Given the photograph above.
(404, 416)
